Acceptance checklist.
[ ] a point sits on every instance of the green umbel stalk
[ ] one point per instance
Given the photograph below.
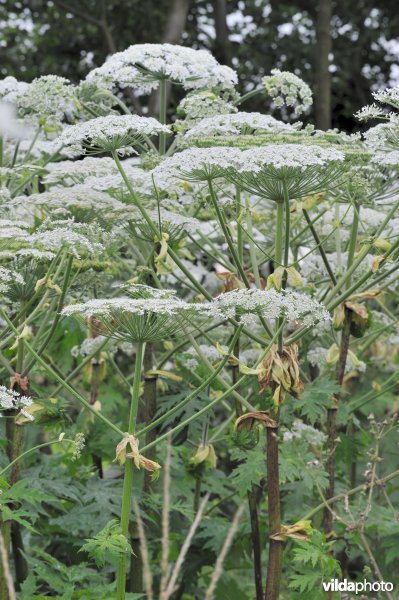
(162, 115)
(128, 476)
(275, 557)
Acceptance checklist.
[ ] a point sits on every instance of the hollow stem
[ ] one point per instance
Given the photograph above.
(162, 115)
(128, 475)
(274, 567)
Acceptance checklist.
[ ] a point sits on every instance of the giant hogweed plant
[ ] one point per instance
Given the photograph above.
(198, 337)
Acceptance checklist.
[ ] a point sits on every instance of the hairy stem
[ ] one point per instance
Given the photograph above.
(275, 558)
(332, 420)
(162, 114)
(128, 475)
(256, 543)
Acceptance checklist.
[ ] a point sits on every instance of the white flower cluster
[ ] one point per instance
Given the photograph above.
(33, 253)
(237, 124)
(8, 277)
(377, 137)
(49, 99)
(386, 158)
(287, 89)
(78, 238)
(11, 88)
(270, 304)
(88, 346)
(200, 105)
(10, 230)
(41, 148)
(141, 66)
(313, 267)
(282, 156)
(12, 400)
(195, 163)
(145, 317)
(301, 431)
(68, 172)
(211, 352)
(60, 201)
(79, 444)
(389, 96)
(108, 133)
(137, 306)
(371, 111)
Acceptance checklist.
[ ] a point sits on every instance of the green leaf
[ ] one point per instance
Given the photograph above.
(251, 471)
(18, 515)
(317, 397)
(109, 544)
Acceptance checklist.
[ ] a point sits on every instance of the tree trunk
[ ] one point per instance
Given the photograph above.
(222, 49)
(323, 78)
(176, 21)
(174, 29)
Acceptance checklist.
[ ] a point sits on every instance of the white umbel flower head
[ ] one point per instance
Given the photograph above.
(8, 277)
(388, 96)
(50, 100)
(196, 164)
(77, 238)
(240, 123)
(147, 315)
(79, 201)
(385, 159)
(110, 133)
(287, 89)
(11, 88)
(200, 105)
(270, 304)
(384, 135)
(371, 111)
(68, 172)
(295, 169)
(142, 66)
(12, 400)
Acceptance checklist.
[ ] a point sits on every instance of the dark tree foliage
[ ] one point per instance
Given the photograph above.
(70, 37)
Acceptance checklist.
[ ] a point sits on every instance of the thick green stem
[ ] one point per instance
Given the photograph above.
(15, 438)
(274, 510)
(150, 408)
(278, 253)
(162, 114)
(274, 567)
(128, 476)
